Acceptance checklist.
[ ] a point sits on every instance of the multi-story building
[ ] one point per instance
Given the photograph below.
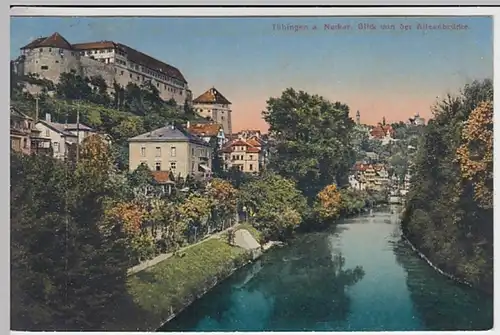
(51, 56)
(242, 155)
(212, 104)
(61, 139)
(208, 131)
(24, 136)
(171, 149)
(369, 176)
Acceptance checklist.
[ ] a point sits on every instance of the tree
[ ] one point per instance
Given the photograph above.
(275, 205)
(475, 155)
(329, 203)
(223, 196)
(313, 140)
(194, 212)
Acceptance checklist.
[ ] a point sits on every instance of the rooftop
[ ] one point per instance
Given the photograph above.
(205, 129)
(170, 133)
(212, 96)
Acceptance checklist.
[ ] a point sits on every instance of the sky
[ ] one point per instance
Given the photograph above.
(382, 73)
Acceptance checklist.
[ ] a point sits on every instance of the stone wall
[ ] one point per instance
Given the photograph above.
(49, 63)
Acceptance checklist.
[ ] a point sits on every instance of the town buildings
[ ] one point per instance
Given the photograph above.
(210, 132)
(417, 120)
(369, 177)
(383, 133)
(51, 56)
(243, 155)
(212, 104)
(171, 148)
(24, 136)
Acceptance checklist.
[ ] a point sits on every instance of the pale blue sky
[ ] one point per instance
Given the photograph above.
(391, 73)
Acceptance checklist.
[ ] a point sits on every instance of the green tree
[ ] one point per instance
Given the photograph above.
(313, 140)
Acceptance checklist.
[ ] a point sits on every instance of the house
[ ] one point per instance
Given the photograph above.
(383, 132)
(24, 136)
(370, 176)
(212, 104)
(171, 148)
(242, 155)
(208, 131)
(63, 141)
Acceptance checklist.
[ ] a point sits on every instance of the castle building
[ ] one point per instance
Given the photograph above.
(49, 57)
(212, 104)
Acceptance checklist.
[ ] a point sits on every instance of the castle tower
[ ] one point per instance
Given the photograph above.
(214, 105)
(358, 118)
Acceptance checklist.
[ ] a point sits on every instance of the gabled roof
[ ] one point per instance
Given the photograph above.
(58, 127)
(94, 45)
(82, 127)
(14, 112)
(254, 142)
(212, 96)
(240, 143)
(205, 129)
(55, 40)
(170, 133)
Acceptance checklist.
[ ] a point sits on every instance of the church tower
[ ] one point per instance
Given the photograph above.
(358, 118)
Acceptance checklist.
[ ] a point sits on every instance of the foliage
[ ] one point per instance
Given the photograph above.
(275, 205)
(476, 153)
(65, 272)
(186, 277)
(329, 203)
(313, 140)
(445, 214)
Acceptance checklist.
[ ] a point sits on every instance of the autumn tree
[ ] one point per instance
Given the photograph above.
(329, 203)
(475, 155)
(195, 212)
(224, 199)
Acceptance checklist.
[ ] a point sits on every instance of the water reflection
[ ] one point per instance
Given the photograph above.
(294, 288)
(442, 304)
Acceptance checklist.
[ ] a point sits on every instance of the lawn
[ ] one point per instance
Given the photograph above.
(167, 286)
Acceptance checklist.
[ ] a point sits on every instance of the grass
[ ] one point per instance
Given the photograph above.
(169, 285)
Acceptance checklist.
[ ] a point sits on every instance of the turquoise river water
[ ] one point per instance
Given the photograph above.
(357, 276)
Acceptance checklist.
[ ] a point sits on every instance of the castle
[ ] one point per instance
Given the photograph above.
(51, 56)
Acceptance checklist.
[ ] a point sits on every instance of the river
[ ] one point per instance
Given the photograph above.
(357, 276)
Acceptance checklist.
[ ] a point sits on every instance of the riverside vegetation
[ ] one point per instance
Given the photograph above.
(77, 228)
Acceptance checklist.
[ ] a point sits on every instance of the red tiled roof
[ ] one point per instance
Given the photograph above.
(95, 45)
(239, 142)
(205, 129)
(253, 150)
(212, 96)
(381, 130)
(55, 40)
(253, 142)
(161, 177)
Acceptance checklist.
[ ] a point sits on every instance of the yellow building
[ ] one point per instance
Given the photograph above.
(172, 149)
(242, 155)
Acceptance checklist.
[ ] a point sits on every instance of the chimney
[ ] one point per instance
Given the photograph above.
(48, 117)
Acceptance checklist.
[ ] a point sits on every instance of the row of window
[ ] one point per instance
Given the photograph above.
(241, 157)
(173, 151)
(143, 78)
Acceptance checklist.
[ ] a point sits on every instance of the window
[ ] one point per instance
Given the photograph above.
(192, 151)
(173, 166)
(131, 76)
(57, 61)
(25, 143)
(41, 49)
(50, 49)
(251, 157)
(143, 152)
(44, 67)
(158, 166)
(56, 146)
(172, 152)
(251, 167)
(121, 73)
(158, 152)
(47, 132)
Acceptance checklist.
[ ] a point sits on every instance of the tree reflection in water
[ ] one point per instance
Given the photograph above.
(299, 287)
(442, 304)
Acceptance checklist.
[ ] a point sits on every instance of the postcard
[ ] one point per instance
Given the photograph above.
(232, 172)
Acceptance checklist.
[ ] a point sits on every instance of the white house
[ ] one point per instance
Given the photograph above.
(60, 138)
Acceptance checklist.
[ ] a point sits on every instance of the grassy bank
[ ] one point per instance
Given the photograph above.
(169, 286)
